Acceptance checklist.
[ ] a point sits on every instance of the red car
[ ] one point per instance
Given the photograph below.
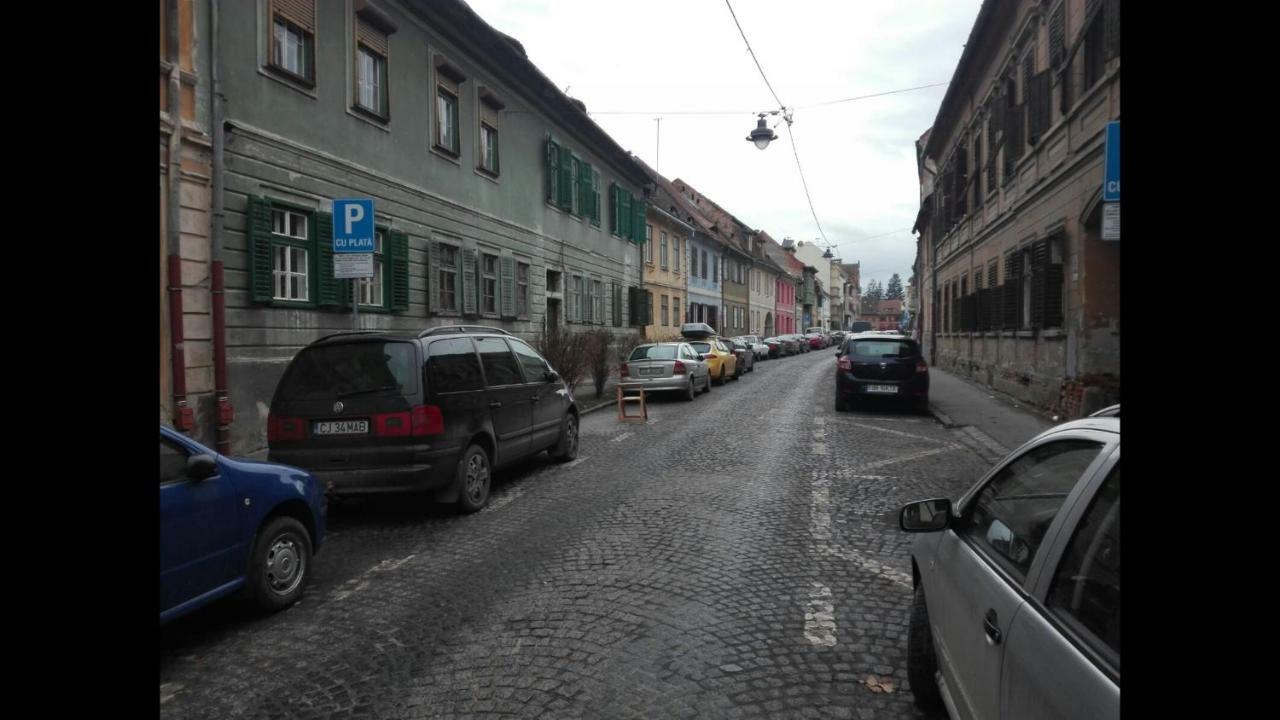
(817, 341)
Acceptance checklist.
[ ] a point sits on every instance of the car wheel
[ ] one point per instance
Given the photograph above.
(706, 387)
(922, 663)
(922, 405)
(279, 566)
(842, 405)
(566, 448)
(720, 381)
(473, 479)
(688, 396)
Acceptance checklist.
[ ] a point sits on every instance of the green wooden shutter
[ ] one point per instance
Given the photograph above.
(258, 232)
(508, 264)
(624, 213)
(589, 307)
(331, 292)
(553, 172)
(638, 225)
(433, 281)
(566, 179)
(1039, 263)
(584, 188)
(1053, 310)
(398, 260)
(469, 281)
(595, 197)
(616, 301)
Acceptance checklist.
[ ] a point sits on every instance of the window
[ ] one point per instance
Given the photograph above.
(1086, 586)
(675, 253)
(488, 284)
(500, 367)
(648, 244)
(663, 235)
(289, 260)
(490, 106)
(1009, 517)
(292, 50)
(649, 308)
(371, 289)
(534, 366)
(693, 263)
(1027, 271)
(576, 300)
(522, 289)
(371, 81)
(448, 80)
(715, 268)
(453, 366)
(597, 301)
(595, 197)
(446, 278)
(666, 317)
(173, 462)
(1094, 60)
(675, 311)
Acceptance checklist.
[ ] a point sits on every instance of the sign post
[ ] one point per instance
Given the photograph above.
(1111, 184)
(353, 246)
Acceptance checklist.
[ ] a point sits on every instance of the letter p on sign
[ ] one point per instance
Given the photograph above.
(353, 214)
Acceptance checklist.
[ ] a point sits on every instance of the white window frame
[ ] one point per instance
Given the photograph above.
(663, 236)
(369, 61)
(522, 289)
(284, 265)
(486, 277)
(451, 269)
(371, 290)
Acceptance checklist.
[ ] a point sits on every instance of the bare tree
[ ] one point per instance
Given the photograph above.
(599, 355)
(566, 351)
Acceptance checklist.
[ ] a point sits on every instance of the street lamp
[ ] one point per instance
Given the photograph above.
(762, 135)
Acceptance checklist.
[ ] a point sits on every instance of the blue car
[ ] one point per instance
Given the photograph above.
(230, 526)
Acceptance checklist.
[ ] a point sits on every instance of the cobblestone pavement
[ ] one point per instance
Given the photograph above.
(737, 556)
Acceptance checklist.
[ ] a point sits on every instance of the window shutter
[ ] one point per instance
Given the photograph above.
(258, 230)
(584, 189)
(469, 281)
(1053, 310)
(624, 213)
(595, 197)
(399, 261)
(1038, 97)
(1039, 264)
(433, 279)
(330, 291)
(566, 179)
(962, 181)
(588, 307)
(638, 224)
(615, 204)
(1058, 35)
(617, 305)
(371, 36)
(1011, 293)
(553, 172)
(508, 267)
(1111, 31)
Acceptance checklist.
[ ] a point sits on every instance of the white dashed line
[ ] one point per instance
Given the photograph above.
(621, 437)
(908, 458)
(819, 616)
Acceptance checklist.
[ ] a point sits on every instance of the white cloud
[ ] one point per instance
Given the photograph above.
(664, 56)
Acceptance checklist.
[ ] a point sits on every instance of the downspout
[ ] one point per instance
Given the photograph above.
(225, 412)
(933, 266)
(183, 417)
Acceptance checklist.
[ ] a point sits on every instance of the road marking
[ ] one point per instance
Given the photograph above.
(895, 432)
(360, 582)
(621, 437)
(574, 463)
(824, 538)
(820, 449)
(908, 458)
(819, 616)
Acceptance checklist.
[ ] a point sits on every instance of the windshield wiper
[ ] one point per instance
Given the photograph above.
(366, 391)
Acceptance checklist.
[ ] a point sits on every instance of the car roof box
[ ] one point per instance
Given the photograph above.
(697, 330)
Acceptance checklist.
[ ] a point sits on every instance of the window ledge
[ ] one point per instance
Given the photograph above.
(308, 90)
(446, 154)
(488, 176)
(1052, 333)
(1025, 333)
(369, 119)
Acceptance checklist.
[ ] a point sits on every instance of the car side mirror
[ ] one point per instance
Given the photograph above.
(926, 515)
(837, 353)
(551, 376)
(201, 467)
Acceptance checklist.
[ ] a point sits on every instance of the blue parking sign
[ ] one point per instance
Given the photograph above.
(353, 225)
(1111, 173)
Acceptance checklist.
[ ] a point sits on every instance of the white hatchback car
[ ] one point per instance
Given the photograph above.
(1017, 587)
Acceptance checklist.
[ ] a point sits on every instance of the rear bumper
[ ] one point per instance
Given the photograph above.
(914, 388)
(666, 384)
(427, 471)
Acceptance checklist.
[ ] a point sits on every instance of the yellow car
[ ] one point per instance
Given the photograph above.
(719, 358)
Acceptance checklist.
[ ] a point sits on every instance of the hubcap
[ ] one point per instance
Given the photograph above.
(284, 564)
(477, 477)
(572, 431)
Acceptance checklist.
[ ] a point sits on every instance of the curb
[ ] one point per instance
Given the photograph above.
(941, 417)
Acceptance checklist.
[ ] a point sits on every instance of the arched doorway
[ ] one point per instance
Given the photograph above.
(768, 325)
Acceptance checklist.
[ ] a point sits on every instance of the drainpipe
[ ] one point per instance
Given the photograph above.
(933, 265)
(183, 417)
(225, 412)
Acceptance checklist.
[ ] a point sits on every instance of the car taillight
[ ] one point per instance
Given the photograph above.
(678, 369)
(845, 364)
(418, 421)
(624, 371)
(921, 367)
(279, 428)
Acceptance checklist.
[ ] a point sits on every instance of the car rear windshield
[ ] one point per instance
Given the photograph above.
(345, 369)
(654, 352)
(882, 348)
(700, 347)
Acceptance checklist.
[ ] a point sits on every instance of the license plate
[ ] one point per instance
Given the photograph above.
(651, 371)
(341, 427)
(882, 388)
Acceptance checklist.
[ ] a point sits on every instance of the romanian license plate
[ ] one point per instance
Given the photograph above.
(890, 389)
(650, 371)
(341, 427)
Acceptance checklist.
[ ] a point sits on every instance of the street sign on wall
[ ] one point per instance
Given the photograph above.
(353, 225)
(1111, 173)
(1111, 221)
(353, 265)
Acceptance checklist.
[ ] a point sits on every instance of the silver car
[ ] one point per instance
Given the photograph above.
(667, 367)
(757, 345)
(1017, 586)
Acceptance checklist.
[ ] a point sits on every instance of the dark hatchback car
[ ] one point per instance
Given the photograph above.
(882, 366)
(375, 412)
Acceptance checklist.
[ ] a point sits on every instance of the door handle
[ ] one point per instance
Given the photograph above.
(536, 398)
(495, 404)
(993, 630)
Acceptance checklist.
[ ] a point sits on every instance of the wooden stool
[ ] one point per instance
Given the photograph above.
(624, 398)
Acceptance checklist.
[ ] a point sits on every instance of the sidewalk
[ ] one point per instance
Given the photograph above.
(997, 422)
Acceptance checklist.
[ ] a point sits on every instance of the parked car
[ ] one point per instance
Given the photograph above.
(837, 337)
(230, 526)
(720, 359)
(881, 366)
(860, 326)
(1016, 611)
(667, 367)
(377, 412)
(745, 355)
(816, 340)
(758, 347)
(777, 348)
(802, 342)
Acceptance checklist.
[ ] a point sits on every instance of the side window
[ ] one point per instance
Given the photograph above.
(453, 367)
(173, 462)
(534, 366)
(500, 366)
(1086, 587)
(1009, 517)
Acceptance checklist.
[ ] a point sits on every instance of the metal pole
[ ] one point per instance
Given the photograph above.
(355, 304)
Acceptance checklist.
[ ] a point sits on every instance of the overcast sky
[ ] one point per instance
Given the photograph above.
(661, 58)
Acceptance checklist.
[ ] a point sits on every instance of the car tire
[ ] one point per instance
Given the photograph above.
(688, 396)
(922, 406)
(922, 663)
(280, 564)
(720, 381)
(842, 405)
(474, 478)
(706, 388)
(566, 448)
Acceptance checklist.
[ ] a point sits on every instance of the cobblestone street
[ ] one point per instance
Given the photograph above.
(737, 556)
